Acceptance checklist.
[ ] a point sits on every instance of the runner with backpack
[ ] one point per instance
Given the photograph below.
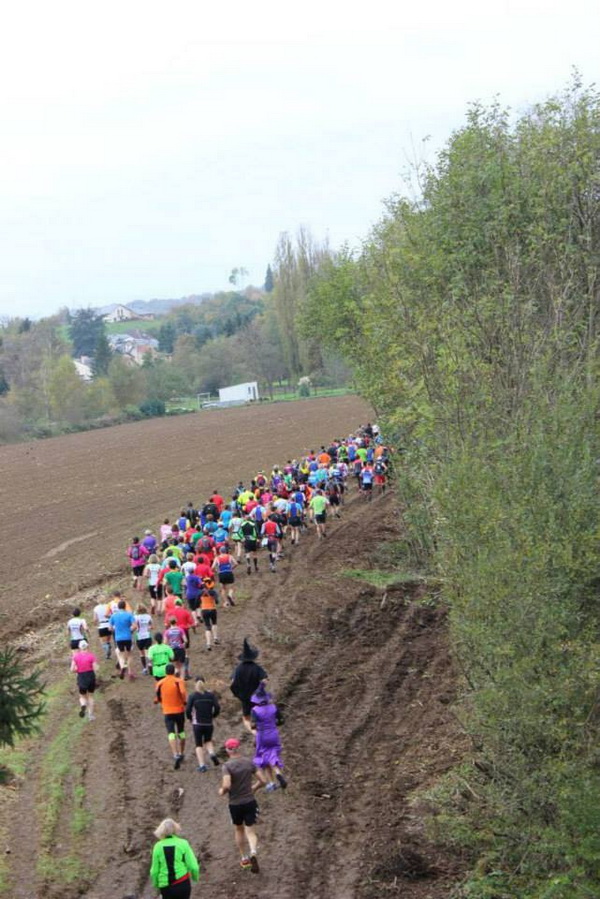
(137, 554)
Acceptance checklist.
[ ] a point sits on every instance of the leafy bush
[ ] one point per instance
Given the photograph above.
(473, 319)
(152, 408)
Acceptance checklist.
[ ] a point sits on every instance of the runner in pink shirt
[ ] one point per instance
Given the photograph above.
(84, 664)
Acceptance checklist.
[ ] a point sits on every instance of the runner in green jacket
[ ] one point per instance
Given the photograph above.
(174, 864)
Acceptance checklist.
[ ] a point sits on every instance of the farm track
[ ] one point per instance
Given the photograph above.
(365, 687)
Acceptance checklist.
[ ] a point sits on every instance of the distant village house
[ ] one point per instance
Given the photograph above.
(124, 314)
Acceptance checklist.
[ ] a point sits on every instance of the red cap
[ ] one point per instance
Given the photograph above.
(232, 743)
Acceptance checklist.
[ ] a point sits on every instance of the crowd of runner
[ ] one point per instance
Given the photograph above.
(180, 575)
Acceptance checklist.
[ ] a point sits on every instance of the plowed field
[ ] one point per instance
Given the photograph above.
(72, 504)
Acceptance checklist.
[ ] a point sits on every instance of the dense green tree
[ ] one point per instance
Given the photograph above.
(165, 381)
(167, 334)
(4, 385)
(102, 355)
(127, 382)
(269, 280)
(85, 330)
(66, 391)
(21, 699)
(471, 316)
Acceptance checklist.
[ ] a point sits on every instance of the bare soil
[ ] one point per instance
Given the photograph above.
(363, 676)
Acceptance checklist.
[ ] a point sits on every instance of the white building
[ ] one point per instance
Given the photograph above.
(83, 367)
(124, 314)
(239, 393)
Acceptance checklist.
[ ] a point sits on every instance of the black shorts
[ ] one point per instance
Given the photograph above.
(138, 570)
(144, 644)
(295, 522)
(203, 733)
(152, 590)
(246, 813)
(124, 645)
(334, 499)
(246, 707)
(86, 682)
(368, 486)
(209, 617)
(226, 577)
(104, 631)
(75, 643)
(193, 602)
(181, 890)
(322, 518)
(250, 545)
(175, 724)
(178, 654)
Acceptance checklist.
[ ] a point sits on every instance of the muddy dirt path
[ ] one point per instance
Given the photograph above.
(365, 683)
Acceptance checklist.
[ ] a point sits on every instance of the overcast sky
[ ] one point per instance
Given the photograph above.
(148, 148)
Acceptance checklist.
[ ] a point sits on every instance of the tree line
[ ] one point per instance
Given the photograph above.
(471, 314)
(231, 337)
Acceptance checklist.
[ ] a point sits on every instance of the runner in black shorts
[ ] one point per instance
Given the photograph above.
(249, 535)
(241, 780)
(175, 723)
(208, 602)
(201, 709)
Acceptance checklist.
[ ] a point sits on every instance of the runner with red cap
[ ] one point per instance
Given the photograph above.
(241, 780)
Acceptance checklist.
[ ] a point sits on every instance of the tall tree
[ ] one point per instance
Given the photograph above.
(85, 330)
(127, 382)
(269, 280)
(237, 276)
(66, 391)
(472, 316)
(167, 335)
(102, 355)
(21, 699)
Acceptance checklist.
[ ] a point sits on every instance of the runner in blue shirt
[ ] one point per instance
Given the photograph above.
(123, 624)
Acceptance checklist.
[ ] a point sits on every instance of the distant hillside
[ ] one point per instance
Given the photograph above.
(157, 307)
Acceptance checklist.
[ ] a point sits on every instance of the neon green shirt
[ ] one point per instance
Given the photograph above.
(183, 861)
(159, 656)
(318, 504)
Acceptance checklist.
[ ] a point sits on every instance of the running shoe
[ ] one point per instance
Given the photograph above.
(246, 864)
(122, 673)
(91, 717)
(270, 787)
(214, 760)
(82, 712)
(177, 762)
(282, 781)
(202, 769)
(254, 863)
(216, 642)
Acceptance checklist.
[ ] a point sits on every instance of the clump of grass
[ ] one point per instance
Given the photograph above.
(62, 788)
(376, 577)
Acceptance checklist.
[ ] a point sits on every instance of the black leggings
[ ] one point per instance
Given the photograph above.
(181, 890)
